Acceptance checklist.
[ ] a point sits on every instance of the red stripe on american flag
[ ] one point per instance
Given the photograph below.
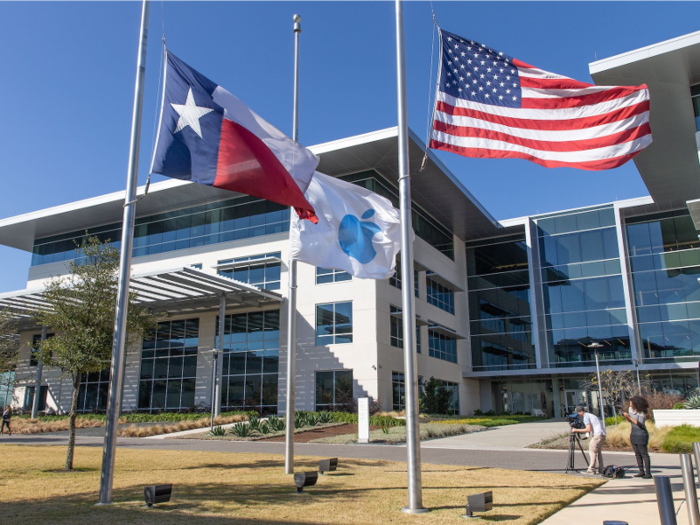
(547, 125)
(553, 83)
(544, 145)
(481, 153)
(575, 102)
(520, 63)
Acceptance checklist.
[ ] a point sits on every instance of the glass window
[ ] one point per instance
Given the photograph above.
(333, 323)
(395, 280)
(168, 375)
(232, 219)
(329, 275)
(94, 387)
(440, 295)
(442, 346)
(264, 275)
(396, 335)
(334, 390)
(250, 362)
(36, 339)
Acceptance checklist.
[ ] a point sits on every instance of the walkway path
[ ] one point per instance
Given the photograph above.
(510, 437)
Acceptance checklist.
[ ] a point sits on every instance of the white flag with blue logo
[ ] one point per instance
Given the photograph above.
(358, 230)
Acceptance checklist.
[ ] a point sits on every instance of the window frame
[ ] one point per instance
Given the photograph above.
(334, 334)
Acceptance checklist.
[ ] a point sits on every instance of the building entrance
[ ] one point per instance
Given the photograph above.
(574, 398)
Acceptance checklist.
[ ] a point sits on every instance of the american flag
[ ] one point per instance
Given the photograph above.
(490, 105)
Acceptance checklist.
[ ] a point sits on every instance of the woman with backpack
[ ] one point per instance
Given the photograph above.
(6, 416)
(640, 435)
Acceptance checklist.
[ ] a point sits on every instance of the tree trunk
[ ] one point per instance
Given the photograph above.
(71, 421)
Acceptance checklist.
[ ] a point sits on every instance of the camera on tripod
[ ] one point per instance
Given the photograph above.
(575, 422)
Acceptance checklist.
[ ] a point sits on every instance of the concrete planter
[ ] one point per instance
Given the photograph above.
(676, 418)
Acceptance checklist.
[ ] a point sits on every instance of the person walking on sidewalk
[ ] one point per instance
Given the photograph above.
(640, 435)
(6, 416)
(597, 431)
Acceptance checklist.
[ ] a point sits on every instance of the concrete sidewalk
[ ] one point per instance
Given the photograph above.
(510, 437)
(632, 500)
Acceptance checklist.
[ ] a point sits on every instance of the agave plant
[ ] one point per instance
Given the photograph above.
(312, 419)
(264, 427)
(254, 422)
(692, 403)
(275, 423)
(300, 419)
(217, 431)
(325, 417)
(241, 430)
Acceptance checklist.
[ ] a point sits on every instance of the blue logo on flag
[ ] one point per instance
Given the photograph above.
(355, 237)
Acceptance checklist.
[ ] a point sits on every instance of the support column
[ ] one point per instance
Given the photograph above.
(219, 369)
(37, 380)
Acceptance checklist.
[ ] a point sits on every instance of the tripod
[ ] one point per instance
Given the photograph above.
(574, 440)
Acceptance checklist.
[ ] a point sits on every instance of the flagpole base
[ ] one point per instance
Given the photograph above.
(407, 510)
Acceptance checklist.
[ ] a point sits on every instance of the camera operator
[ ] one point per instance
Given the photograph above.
(595, 448)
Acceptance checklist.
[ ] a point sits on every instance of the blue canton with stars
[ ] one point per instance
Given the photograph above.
(475, 72)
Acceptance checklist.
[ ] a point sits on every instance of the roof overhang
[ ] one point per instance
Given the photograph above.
(175, 291)
(669, 166)
(435, 189)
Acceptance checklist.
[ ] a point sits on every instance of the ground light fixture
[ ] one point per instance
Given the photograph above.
(157, 494)
(305, 479)
(327, 465)
(482, 502)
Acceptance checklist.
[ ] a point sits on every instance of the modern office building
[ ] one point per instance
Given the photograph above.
(506, 310)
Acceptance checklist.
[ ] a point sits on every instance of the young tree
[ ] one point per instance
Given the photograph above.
(81, 312)
(435, 397)
(9, 346)
(619, 386)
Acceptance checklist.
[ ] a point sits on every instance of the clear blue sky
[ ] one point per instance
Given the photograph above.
(69, 72)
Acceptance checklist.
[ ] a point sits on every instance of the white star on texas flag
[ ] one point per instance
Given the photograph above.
(190, 114)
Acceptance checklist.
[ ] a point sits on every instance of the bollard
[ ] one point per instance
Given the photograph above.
(691, 495)
(696, 451)
(664, 497)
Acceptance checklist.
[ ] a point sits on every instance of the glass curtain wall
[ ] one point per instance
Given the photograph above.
(251, 361)
(583, 292)
(664, 253)
(229, 220)
(169, 366)
(499, 304)
(264, 275)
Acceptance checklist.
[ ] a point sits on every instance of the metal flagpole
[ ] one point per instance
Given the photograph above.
(116, 378)
(37, 380)
(292, 300)
(415, 495)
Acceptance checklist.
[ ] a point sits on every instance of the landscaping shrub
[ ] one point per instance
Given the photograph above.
(325, 417)
(275, 423)
(662, 401)
(264, 428)
(241, 430)
(218, 431)
(254, 423)
(679, 406)
(692, 403)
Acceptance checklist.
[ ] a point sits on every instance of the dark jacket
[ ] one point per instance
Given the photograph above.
(6, 415)
(640, 434)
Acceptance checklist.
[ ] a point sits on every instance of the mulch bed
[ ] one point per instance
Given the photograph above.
(316, 433)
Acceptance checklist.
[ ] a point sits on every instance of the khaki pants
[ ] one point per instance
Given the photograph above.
(595, 450)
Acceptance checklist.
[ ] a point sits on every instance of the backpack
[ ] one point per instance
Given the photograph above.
(613, 472)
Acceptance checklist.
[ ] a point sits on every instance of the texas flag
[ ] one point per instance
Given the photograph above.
(208, 136)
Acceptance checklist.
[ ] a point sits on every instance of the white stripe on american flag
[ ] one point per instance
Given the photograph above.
(547, 114)
(572, 157)
(548, 135)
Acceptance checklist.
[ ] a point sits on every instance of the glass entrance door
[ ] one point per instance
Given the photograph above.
(575, 398)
